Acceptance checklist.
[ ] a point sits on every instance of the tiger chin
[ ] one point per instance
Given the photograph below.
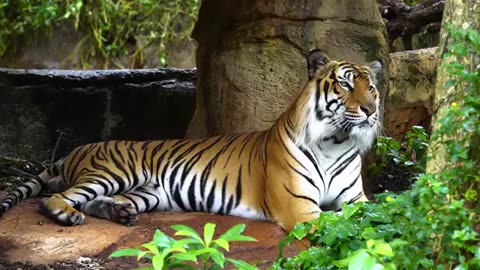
(307, 162)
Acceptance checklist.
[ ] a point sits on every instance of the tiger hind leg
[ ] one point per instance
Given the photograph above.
(123, 208)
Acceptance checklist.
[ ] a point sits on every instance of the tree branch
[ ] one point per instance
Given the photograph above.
(405, 21)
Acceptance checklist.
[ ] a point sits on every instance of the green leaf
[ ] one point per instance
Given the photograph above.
(160, 239)
(187, 231)
(125, 252)
(243, 265)
(222, 243)
(389, 266)
(300, 230)
(187, 242)
(185, 257)
(383, 249)
(217, 257)
(233, 232)
(208, 232)
(151, 247)
(349, 209)
(158, 262)
(341, 263)
(141, 255)
(361, 260)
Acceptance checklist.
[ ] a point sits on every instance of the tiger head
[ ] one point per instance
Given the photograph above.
(342, 99)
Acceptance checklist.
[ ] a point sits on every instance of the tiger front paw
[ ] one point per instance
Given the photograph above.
(62, 212)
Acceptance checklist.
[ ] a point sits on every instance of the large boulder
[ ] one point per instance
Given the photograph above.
(412, 88)
(251, 55)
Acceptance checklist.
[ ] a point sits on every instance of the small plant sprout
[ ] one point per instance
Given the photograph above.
(191, 249)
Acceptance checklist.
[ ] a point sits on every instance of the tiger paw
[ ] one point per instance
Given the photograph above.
(62, 212)
(124, 213)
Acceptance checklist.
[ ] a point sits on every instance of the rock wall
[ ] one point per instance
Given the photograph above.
(89, 106)
(251, 55)
(412, 89)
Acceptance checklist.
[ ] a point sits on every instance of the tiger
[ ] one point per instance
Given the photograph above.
(307, 162)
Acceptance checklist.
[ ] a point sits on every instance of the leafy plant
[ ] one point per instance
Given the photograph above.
(166, 252)
(409, 155)
(436, 224)
(111, 29)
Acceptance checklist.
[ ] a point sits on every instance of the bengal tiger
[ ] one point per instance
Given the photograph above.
(307, 162)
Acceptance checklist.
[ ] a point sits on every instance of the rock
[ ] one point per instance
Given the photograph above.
(412, 88)
(251, 55)
(89, 106)
(24, 241)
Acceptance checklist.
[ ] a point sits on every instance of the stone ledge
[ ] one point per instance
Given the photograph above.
(23, 240)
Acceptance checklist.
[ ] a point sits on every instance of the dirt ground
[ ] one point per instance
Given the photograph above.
(29, 240)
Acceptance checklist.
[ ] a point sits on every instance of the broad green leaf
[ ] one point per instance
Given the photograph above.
(185, 257)
(234, 231)
(361, 260)
(383, 249)
(160, 239)
(370, 243)
(186, 242)
(203, 251)
(141, 255)
(171, 250)
(341, 263)
(158, 262)
(243, 265)
(300, 230)
(125, 252)
(222, 243)
(151, 247)
(187, 231)
(398, 243)
(349, 209)
(208, 232)
(389, 266)
(217, 257)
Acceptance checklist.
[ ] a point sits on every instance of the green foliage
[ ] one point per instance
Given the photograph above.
(112, 29)
(433, 226)
(408, 156)
(166, 252)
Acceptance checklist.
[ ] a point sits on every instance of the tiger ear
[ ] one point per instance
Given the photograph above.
(316, 60)
(377, 68)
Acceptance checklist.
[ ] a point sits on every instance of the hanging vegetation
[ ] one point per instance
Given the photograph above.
(110, 29)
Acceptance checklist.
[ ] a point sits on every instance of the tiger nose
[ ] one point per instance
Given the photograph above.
(368, 110)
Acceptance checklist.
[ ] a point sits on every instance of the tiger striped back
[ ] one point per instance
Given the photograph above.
(307, 162)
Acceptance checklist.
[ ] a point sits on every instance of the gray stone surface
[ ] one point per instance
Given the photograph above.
(412, 88)
(89, 106)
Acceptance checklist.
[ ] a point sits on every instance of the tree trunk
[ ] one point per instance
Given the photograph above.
(251, 55)
(461, 14)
